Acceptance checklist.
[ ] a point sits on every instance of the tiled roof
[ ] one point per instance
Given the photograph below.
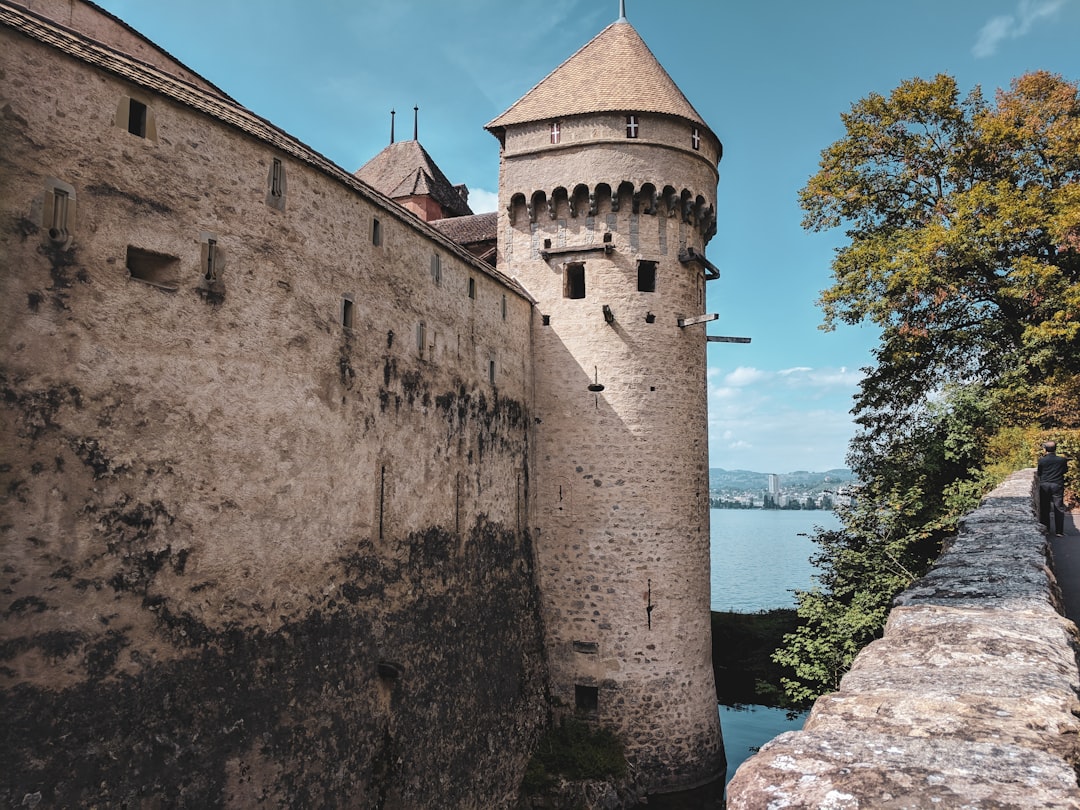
(614, 72)
(221, 108)
(471, 229)
(405, 169)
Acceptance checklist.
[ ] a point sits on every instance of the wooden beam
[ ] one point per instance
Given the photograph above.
(726, 339)
(698, 319)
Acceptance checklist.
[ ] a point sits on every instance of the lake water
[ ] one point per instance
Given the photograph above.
(759, 558)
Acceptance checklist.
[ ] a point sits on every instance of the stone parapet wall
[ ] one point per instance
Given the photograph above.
(969, 700)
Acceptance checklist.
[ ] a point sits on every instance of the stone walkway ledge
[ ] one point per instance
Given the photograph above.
(969, 700)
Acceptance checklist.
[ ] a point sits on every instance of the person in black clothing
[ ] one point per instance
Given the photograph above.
(1052, 468)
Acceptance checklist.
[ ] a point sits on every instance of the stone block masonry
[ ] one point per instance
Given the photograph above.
(968, 701)
(263, 536)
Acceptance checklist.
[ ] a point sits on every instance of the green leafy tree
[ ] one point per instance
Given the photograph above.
(963, 248)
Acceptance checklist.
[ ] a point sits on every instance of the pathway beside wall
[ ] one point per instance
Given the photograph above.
(969, 700)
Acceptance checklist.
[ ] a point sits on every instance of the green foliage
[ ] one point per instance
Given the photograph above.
(963, 219)
(574, 750)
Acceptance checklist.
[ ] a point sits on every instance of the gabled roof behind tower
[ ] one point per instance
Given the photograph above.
(405, 169)
(613, 72)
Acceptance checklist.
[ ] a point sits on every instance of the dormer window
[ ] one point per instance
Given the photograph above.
(632, 126)
(695, 138)
(556, 132)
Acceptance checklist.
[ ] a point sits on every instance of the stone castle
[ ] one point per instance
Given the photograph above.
(319, 489)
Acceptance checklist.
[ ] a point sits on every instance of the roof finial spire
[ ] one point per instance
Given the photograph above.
(622, 11)
(392, 126)
(415, 123)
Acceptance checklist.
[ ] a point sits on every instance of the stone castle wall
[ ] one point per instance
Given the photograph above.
(621, 502)
(969, 699)
(265, 539)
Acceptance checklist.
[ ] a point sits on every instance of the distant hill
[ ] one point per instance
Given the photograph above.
(747, 481)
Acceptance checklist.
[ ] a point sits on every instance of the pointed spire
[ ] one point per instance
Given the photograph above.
(622, 11)
(415, 123)
(392, 126)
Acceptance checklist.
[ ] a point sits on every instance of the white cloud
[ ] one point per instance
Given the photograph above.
(1011, 26)
(482, 201)
(745, 376)
(780, 421)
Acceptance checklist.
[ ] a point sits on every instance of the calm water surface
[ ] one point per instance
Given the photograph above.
(759, 558)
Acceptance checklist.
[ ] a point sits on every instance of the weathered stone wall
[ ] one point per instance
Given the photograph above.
(969, 700)
(252, 554)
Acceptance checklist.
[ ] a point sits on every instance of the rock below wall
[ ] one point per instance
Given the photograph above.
(969, 700)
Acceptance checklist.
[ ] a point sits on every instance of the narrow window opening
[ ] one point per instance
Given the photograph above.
(632, 126)
(556, 131)
(421, 338)
(277, 186)
(646, 276)
(58, 225)
(136, 118)
(695, 139)
(575, 281)
(157, 269)
(347, 312)
(491, 371)
(211, 260)
(376, 232)
(586, 698)
(545, 320)
(472, 287)
(504, 307)
(436, 269)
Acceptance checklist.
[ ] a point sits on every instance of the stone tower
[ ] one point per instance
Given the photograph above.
(606, 201)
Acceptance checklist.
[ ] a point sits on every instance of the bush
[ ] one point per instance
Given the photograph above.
(575, 751)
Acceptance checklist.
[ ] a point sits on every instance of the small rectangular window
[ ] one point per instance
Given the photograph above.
(586, 698)
(436, 269)
(695, 139)
(347, 312)
(556, 131)
(574, 285)
(157, 269)
(646, 276)
(136, 118)
(472, 287)
(504, 307)
(376, 232)
(421, 338)
(632, 126)
(491, 370)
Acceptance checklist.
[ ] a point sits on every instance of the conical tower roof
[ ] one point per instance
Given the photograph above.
(405, 169)
(613, 72)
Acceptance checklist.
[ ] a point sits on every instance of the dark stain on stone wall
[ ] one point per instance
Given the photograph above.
(298, 709)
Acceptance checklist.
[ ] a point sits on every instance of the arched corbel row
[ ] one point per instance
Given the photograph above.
(693, 209)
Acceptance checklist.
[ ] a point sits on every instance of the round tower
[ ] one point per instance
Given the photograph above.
(606, 201)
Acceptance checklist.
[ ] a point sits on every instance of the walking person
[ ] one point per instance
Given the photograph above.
(1052, 468)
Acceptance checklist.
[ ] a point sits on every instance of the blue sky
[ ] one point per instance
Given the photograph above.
(771, 78)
